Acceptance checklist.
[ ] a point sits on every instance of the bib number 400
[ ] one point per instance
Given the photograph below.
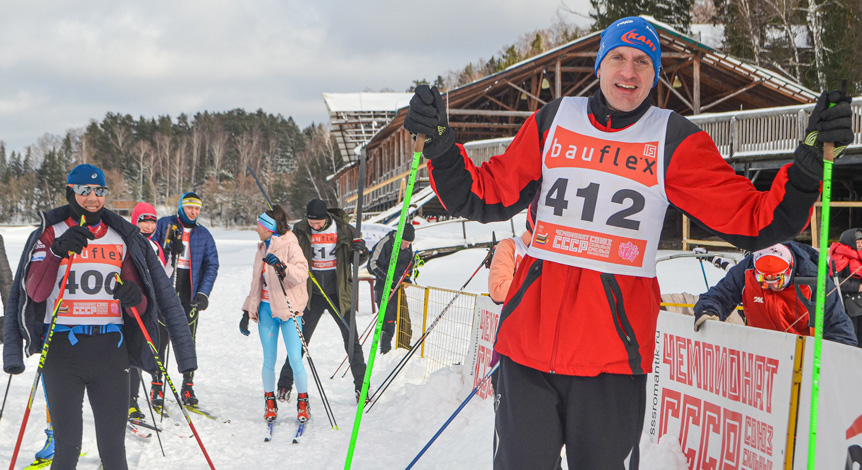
(556, 198)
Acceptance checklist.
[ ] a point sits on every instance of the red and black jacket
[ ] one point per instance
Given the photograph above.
(573, 321)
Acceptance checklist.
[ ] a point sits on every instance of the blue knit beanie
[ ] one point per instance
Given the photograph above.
(634, 32)
(86, 174)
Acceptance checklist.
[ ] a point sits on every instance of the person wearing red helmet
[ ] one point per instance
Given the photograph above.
(765, 283)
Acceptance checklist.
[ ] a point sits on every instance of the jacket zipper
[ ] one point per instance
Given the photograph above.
(559, 324)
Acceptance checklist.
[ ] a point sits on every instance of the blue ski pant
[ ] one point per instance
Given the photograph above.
(267, 328)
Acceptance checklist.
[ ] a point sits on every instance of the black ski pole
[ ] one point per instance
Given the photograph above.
(398, 367)
(351, 330)
(329, 414)
(8, 384)
(152, 414)
(260, 186)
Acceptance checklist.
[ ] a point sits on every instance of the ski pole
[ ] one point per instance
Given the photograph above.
(329, 414)
(365, 331)
(390, 275)
(152, 414)
(334, 309)
(458, 410)
(351, 329)
(8, 384)
(398, 367)
(167, 378)
(44, 353)
(828, 160)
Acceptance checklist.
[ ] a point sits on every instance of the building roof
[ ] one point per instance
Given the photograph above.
(356, 117)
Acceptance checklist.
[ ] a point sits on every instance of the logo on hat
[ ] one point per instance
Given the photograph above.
(634, 36)
(94, 176)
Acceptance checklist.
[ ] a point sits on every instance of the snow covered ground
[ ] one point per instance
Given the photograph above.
(228, 383)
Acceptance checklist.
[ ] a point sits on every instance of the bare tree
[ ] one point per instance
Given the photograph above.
(162, 151)
(782, 11)
(196, 142)
(144, 153)
(217, 145)
(815, 25)
(248, 150)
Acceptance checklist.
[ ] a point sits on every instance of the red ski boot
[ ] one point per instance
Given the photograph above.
(271, 411)
(303, 411)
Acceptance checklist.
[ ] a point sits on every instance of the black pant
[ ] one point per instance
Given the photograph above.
(316, 305)
(599, 419)
(97, 365)
(390, 318)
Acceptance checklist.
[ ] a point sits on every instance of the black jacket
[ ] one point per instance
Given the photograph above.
(25, 318)
(378, 264)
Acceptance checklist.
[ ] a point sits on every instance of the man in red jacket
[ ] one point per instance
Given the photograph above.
(577, 328)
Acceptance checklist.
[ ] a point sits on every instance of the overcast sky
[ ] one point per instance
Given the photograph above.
(64, 63)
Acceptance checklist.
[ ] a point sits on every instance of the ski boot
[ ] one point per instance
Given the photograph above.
(284, 394)
(271, 409)
(303, 411)
(188, 394)
(134, 411)
(367, 396)
(157, 396)
(47, 452)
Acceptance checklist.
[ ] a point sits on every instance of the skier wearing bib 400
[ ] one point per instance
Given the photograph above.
(94, 343)
(279, 260)
(577, 329)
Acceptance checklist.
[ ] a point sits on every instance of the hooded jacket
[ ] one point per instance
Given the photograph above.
(25, 318)
(378, 264)
(783, 308)
(846, 263)
(287, 249)
(343, 255)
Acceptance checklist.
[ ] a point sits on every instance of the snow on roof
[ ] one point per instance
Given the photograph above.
(355, 102)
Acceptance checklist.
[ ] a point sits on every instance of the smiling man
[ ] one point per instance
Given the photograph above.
(577, 327)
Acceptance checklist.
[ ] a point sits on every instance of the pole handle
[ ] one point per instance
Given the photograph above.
(419, 144)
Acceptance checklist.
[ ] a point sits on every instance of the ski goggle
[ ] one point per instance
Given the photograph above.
(85, 190)
(774, 281)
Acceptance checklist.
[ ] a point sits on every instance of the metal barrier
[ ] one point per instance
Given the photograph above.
(448, 344)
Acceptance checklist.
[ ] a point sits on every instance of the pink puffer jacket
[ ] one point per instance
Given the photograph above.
(287, 249)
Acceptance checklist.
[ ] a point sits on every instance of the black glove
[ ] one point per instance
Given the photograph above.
(824, 125)
(831, 121)
(74, 239)
(427, 116)
(702, 315)
(175, 239)
(243, 323)
(201, 301)
(276, 263)
(358, 244)
(128, 293)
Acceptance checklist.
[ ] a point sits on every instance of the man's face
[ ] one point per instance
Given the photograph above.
(91, 202)
(147, 226)
(192, 212)
(626, 76)
(405, 244)
(316, 224)
(859, 244)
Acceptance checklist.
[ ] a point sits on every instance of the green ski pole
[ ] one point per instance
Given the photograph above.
(390, 275)
(828, 159)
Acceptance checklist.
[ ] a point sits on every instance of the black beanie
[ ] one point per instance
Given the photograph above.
(316, 210)
(409, 233)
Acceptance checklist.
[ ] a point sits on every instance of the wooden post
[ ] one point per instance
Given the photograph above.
(685, 232)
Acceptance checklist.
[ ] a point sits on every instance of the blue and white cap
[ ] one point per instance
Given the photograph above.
(86, 174)
(632, 31)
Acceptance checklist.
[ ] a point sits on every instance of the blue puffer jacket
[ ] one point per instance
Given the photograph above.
(203, 253)
(25, 318)
(723, 297)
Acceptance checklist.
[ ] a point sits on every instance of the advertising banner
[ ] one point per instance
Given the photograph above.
(485, 322)
(723, 391)
(839, 412)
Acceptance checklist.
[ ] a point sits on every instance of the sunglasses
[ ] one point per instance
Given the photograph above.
(84, 190)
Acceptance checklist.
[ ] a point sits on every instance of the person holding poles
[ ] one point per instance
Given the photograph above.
(279, 259)
(328, 242)
(576, 334)
(144, 217)
(378, 265)
(94, 340)
(193, 252)
(845, 264)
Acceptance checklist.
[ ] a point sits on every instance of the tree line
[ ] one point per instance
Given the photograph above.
(158, 159)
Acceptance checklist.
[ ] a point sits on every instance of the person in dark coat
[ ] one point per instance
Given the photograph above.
(96, 338)
(378, 265)
(195, 259)
(845, 262)
(766, 284)
(328, 242)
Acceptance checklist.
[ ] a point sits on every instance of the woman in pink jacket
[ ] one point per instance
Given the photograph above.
(279, 260)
